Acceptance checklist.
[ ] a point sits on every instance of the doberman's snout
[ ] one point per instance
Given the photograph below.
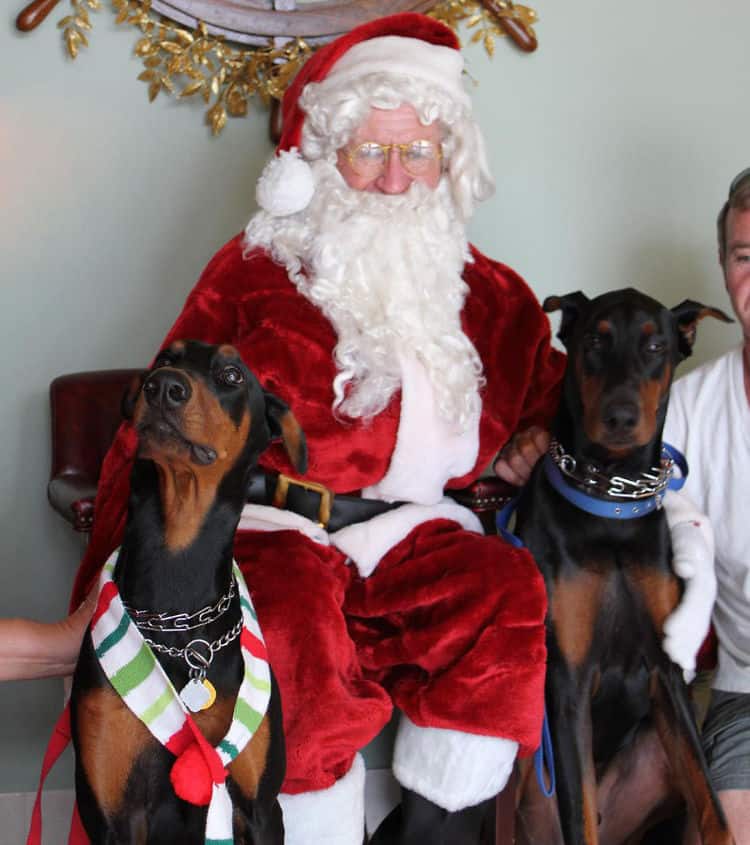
(620, 416)
(167, 389)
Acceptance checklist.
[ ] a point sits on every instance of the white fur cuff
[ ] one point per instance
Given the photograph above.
(693, 560)
(367, 542)
(333, 816)
(450, 768)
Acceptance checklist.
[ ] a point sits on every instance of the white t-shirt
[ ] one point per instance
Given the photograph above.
(709, 421)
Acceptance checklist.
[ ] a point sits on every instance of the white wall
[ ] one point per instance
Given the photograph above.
(613, 146)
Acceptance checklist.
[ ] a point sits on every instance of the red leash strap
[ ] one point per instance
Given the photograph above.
(57, 744)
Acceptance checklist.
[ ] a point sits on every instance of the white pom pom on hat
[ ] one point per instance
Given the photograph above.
(404, 43)
(286, 184)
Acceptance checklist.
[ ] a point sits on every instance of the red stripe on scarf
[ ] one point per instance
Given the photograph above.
(179, 741)
(255, 646)
(109, 591)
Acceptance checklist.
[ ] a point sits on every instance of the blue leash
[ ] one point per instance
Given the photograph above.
(544, 756)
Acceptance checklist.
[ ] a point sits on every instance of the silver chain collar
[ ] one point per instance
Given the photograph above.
(148, 620)
(198, 653)
(594, 481)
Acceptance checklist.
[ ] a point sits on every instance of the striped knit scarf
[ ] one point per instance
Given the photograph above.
(139, 679)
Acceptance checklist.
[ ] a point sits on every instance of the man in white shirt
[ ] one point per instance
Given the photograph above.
(709, 419)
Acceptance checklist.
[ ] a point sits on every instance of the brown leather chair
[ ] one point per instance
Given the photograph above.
(85, 410)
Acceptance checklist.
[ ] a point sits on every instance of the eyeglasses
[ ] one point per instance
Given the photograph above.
(738, 181)
(370, 158)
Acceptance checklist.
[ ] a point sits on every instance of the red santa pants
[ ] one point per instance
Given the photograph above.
(449, 628)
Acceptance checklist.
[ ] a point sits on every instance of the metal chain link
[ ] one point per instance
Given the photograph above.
(192, 656)
(151, 621)
(649, 483)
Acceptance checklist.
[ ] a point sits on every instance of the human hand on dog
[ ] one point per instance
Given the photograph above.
(30, 649)
(693, 560)
(520, 454)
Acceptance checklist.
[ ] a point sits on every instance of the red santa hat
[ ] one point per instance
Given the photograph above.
(406, 44)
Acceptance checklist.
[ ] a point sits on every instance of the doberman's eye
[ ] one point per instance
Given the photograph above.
(232, 376)
(655, 347)
(593, 341)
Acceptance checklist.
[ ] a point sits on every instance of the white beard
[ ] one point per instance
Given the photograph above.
(386, 271)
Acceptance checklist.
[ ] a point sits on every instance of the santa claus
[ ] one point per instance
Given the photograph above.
(409, 359)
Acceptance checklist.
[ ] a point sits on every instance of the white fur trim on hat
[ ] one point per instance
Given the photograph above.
(396, 54)
(286, 184)
(693, 560)
(333, 816)
(452, 769)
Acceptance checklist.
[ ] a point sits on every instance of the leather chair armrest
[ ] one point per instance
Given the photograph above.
(85, 412)
(72, 496)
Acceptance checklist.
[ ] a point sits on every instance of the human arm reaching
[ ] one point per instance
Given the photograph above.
(30, 649)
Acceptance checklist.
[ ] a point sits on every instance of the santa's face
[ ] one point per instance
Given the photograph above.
(391, 150)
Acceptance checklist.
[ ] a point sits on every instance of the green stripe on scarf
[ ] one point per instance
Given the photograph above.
(106, 644)
(229, 748)
(250, 718)
(135, 672)
(158, 707)
(250, 609)
(263, 686)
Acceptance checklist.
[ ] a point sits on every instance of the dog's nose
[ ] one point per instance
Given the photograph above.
(620, 416)
(166, 388)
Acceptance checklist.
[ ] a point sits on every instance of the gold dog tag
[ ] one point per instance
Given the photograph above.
(198, 695)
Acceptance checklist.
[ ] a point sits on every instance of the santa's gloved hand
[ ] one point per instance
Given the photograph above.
(693, 560)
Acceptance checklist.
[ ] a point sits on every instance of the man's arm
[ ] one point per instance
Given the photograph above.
(31, 649)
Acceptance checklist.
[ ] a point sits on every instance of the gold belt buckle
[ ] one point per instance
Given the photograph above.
(326, 496)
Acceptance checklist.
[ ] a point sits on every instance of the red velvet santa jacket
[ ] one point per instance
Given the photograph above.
(288, 343)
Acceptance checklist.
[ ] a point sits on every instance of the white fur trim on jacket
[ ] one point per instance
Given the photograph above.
(267, 518)
(333, 816)
(429, 451)
(450, 768)
(367, 542)
(286, 184)
(693, 560)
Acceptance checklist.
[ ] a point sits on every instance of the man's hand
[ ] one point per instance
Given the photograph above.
(30, 649)
(520, 454)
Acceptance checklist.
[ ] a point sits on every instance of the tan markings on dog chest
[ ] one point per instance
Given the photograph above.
(659, 591)
(248, 767)
(574, 607)
(111, 739)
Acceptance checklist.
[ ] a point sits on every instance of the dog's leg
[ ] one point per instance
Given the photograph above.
(674, 722)
(636, 790)
(537, 817)
(568, 696)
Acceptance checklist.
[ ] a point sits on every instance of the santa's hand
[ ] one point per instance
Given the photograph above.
(520, 454)
(693, 560)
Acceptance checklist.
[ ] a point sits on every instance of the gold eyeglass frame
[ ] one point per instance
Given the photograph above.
(349, 152)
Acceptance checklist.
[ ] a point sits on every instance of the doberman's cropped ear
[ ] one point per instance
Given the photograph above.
(130, 397)
(283, 424)
(689, 314)
(571, 304)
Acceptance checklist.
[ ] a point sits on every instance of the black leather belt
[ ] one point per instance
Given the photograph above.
(314, 501)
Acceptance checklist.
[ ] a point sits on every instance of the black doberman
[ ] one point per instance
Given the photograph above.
(202, 420)
(609, 579)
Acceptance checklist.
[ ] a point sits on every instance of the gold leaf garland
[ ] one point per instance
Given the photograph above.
(187, 63)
